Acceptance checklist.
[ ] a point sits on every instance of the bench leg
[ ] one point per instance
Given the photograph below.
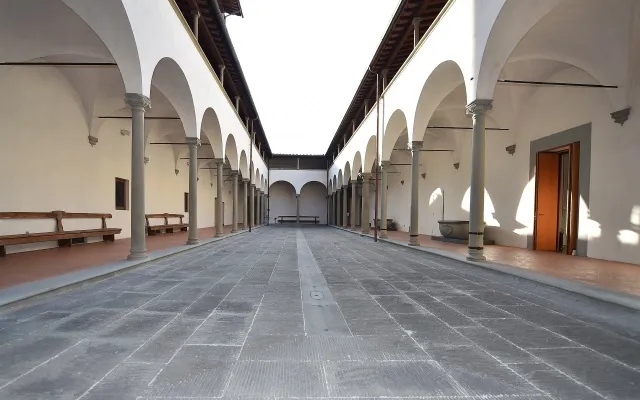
(109, 238)
(151, 233)
(169, 230)
(3, 251)
(184, 229)
(64, 243)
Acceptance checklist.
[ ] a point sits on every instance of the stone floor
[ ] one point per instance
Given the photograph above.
(316, 312)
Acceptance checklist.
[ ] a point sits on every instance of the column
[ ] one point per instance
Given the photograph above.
(252, 210)
(138, 104)
(297, 208)
(354, 195)
(478, 110)
(260, 216)
(383, 199)
(339, 205)
(345, 204)
(415, 191)
(333, 208)
(245, 194)
(359, 207)
(234, 220)
(220, 183)
(193, 189)
(366, 185)
(328, 210)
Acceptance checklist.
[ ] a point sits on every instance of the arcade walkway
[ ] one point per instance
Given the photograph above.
(317, 312)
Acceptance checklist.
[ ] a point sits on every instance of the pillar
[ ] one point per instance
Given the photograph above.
(138, 105)
(220, 183)
(383, 199)
(415, 191)
(345, 204)
(478, 110)
(252, 210)
(234, 220)
(193, 144)
(354, 195)
(333, 208)
(366, 185)
(260, 214)
(245, 193)
(297, 208)
(340, 208)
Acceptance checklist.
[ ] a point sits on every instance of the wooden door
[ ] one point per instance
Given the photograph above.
(545, 231)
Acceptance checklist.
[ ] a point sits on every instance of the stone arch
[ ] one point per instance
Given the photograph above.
(313, 200)
(357, 165)
(396, 126)
(282, 199)
(169, 78)
(339, 183)
(347, 173)
(243, 165)
(211, 127)
(231, 152)
(443, 80)
(369, 155)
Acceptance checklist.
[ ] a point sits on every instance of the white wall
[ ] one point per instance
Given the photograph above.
(298, 177)
(46, 162)
(282, 200)
(313, 201)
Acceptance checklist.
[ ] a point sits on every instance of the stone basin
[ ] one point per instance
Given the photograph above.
(454, 229)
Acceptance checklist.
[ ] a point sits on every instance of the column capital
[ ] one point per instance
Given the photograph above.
(297, 196)
(218, 161)
(234, 173)
(386, 164)
(417, 145)
(193, 142)
(366, 175)
(137, 101)
(253, 186)
(245, 180)
(345, 186)
(480, 106)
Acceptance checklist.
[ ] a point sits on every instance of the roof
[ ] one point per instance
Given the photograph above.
(231, 7)
(217, 46)
(393, 51)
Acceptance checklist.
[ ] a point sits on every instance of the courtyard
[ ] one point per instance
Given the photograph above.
(315, 312)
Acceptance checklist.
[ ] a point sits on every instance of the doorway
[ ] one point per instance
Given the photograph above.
(557, 199)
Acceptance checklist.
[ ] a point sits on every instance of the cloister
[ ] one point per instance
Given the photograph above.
(476, 209)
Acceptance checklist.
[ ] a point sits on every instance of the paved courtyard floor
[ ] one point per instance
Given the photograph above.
(316, 313)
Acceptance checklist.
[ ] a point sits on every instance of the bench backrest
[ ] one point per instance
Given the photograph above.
(166, 217)
(57, 215)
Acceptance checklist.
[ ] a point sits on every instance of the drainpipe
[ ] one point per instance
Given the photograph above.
(375, 211)
(250, 212)
(327, 182)
(268, 190)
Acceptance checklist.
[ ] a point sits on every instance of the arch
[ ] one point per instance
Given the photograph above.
(340, 183)
(231, 152)
(313, 200)
(347, 173)
(256, 178)
(169, 78)
(282, 199)
(369, 155)
(396, 126)
(357, 165)
(210, 125)
(282, 181)
(335, 183)
(443, 80)
(514, 20)
(262, 182)
(243, 165)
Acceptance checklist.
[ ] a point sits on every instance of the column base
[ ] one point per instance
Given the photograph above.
(413, 240)
(383, 234)
(193, 241)
(137, 255)
(476, 255)
(234, 230)
(219, 235)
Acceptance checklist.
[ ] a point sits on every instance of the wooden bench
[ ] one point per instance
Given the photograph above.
(64, 238)
(166, 227)
(303, 218)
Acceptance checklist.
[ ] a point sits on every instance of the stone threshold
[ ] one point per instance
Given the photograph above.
(29, 291)
(595, 292)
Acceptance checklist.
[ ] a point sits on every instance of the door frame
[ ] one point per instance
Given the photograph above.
(582, 135)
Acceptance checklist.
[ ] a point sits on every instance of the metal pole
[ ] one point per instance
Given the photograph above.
(375, 211)
(251, 168)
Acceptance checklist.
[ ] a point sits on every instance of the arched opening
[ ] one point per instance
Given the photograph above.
(313, 201)
(282, 200)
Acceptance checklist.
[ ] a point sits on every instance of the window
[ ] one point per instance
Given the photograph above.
(122, 194)
(186, 202)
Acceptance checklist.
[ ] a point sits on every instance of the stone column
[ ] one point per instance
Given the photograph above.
(345, 204)
(234, 221)
(138, 104)
(260, 216)
(220, 183)
(383, 199)
(354, 195)
(193, 189)
(252, 210)
(339, 208)
(415, 191)
(297, 208)
(478, 110)
(366, 185)
(245, 194)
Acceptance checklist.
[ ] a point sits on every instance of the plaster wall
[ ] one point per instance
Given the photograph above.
(298, 177)
(46, 162)
(282, 200)
(313, 201)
